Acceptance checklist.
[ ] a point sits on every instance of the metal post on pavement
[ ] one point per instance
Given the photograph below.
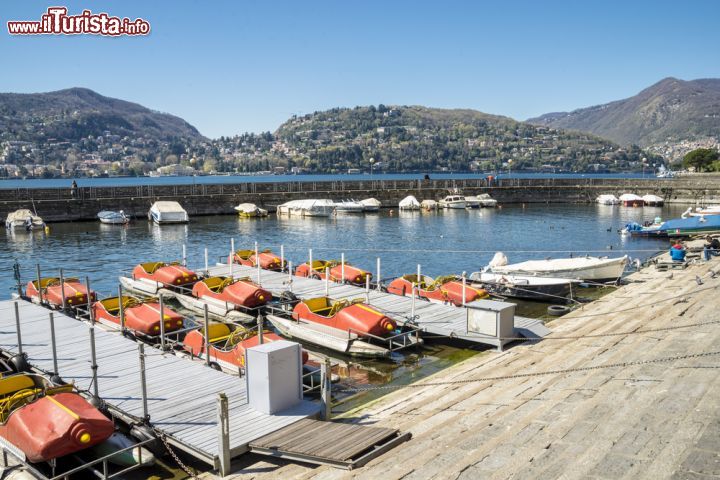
(223, 423)
(17, 328)
(94, 366)
(206, 340)
(342, 267)
(162, 322)
(326, 389)
(88, 295)
(40, 294)
(378, 273)
(260, 327)
(464, 284)
(53, 343)
(327, 281)
(143, 381)
(62, 291)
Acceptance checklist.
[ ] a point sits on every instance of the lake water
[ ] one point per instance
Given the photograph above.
(442, 242)
(225, 179)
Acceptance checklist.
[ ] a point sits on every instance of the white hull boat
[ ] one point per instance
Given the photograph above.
(409, 203)
(371, 204)
(24, 219)
(429, 205)
(472, 201)
(349, 206)
(217, 309)
(110, 217)
(250, 210)
(595, 269)
(607, 199)
(486, 201)
(453, 201)
(167, 212)
(653, 200)
(702, 212)
(631, 200)
(547, 289)
(307, 208)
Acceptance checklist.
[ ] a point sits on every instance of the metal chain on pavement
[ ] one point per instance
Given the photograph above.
(532, 374)
(174, 455)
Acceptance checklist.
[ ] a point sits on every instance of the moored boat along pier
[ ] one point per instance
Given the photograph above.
(64, 204)
(626, 387)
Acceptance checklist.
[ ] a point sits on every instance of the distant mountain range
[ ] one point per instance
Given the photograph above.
(670, 111)
(76, 113)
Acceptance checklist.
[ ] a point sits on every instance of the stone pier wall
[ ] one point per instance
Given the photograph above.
(58, 204)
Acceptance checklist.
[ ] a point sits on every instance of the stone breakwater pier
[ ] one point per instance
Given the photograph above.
(626, 387)
(60, 204)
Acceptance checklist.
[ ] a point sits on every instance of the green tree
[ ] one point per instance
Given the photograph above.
(701, 159)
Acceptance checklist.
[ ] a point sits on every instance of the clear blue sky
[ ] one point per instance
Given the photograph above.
(234, 66)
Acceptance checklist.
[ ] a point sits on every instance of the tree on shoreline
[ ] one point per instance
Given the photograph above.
(702, 159)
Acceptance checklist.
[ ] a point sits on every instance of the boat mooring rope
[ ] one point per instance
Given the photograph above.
(532, 374)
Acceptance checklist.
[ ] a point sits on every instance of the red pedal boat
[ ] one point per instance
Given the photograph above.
(52, 292)
(344, 315)
(46, 421)
(242, 292)
(141, 317)
(268, 260)
(445, 289)
(167, 274)
(227, 344)
(353, 275)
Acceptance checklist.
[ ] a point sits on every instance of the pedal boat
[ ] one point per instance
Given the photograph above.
(52, 292)
(227, 344)
(352, 328)
(140, 316)
(148, 278)
(353, 275)
(268, 260)
(46, 421)
(447, 289)
(226, 299)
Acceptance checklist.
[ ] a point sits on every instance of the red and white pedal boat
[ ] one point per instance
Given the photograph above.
(343, 326)
(268, 260)
(47, 421)
(52, 292)
(225, 297)
(140, 316)
(447, 289)
(352, 275)
(227, 344)
(148, 278)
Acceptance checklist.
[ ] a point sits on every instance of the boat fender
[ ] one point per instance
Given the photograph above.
(557, 310)
(57, 380)
(143, 432)
(289, 298)
(19, 363)
(215, 366)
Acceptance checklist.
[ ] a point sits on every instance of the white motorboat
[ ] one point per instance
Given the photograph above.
(631, 200)
(24, 219)
(409, 203)
(595, 269)
(453, 201)
(607, 199)
(371, 204)
(307, 208)
(167, 212)
(250, 210)
(429, 205)
(349, 206)
(472, 201)
(486, 201)
(702, 211)
(548, 289)
(111, 217)
(653, 200)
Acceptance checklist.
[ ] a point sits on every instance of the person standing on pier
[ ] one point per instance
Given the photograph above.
(73, 189)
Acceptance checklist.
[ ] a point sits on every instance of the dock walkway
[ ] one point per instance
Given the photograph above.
(433, 318)
(182, 395)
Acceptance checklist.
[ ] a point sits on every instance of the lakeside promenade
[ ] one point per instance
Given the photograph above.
(63, 204)
(629, 389)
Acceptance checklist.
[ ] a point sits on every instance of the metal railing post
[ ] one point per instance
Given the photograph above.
(121, 308)
(464, 284)
(327, 281)
(419, 276)
(257, 262)
(143, 381)
(290, 279)
(223, 435)
(17, 328)
(53, 343)
(207, 269)
(162, 322)
(282, 257)
(326, 389)
(342, 267)
(40, 295)
(260, 327)
(231, 257)
(412, 305)
(378, 273)
(184, 255)
(62, 291)
(310, 262)
(88, 296)
(94, 365)
(367, 288)
(206, 337)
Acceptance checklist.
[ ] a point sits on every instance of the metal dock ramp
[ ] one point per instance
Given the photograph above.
(434, 318)
(182, 395)
(341, 445)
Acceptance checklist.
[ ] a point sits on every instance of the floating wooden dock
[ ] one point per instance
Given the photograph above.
(433, 318)
(182, 396)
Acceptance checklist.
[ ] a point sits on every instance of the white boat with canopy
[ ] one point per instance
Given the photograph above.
(24, 219)
(167, 212)
(594, 269)
(607, 199)
(250, 210)
(409, 203)
(371, 204)
(307, 208)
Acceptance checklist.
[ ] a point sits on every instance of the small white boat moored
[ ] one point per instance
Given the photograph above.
(653, 200)
(250, 210)
(631, 200)
(111, 217)
(595, 269)
(349, 206)
(472, 201)
(371, 204)
(409, 203)
(486, 201)
(167, 212)
(24, 219)
(453, 201)
(429, 205)
(307, 208)
(607, 199)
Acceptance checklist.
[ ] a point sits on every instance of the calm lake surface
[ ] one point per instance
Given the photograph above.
(442, 242)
